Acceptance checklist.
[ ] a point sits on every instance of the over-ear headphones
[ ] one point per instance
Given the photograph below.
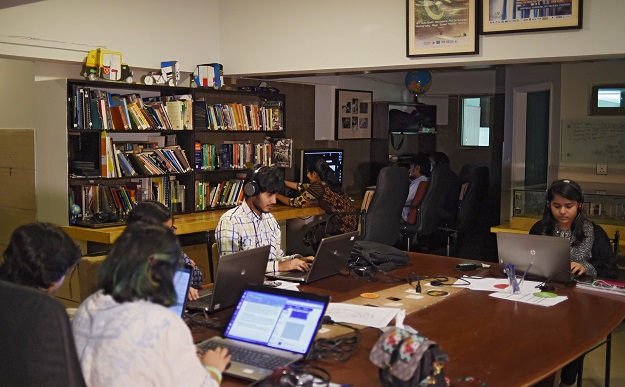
(251, 187)
(295, 375)
(568, 183)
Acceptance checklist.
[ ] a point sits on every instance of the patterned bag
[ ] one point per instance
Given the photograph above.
(407, 359)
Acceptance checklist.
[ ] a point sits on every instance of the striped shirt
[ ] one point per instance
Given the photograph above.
(241, 229)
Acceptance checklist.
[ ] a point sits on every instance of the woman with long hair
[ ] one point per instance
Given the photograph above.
(125, 335)
(324, 187)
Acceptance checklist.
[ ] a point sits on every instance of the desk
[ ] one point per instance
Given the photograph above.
(501, 342)
(187, 223)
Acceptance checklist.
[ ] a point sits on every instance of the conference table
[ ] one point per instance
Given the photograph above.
(500, 342)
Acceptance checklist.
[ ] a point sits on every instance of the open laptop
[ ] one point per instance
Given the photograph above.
(550, 256)
(234, 271)
(182, 279)
(274, 327)
(332, 256)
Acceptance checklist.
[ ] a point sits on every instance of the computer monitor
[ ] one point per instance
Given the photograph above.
(334, 158)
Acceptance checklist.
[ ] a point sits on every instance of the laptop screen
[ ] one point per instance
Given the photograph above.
(182, 278)
(277, 319)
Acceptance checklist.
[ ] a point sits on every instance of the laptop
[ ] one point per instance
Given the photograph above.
(269, 328)
(182, 279)
(549, 256)
(332, 256)
(234, 271)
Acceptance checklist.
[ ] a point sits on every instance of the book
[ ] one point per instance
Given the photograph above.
(282, 152)
(174, 112)
(200, 114)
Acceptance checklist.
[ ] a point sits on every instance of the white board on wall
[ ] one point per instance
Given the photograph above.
(593, 140)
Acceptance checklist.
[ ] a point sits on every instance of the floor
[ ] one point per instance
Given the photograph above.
(594, 363)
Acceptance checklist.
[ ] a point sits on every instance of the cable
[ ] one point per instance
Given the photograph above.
(195, 319)
(337, 349)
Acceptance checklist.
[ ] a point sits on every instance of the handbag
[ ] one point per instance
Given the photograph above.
(382, 256)
(408, 359)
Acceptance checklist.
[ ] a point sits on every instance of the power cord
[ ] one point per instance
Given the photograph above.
(338, 349)
(201, 319)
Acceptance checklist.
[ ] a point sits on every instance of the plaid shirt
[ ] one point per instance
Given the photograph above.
(241, 229)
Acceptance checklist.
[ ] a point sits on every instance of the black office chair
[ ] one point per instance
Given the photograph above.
(429, 211)
(380, 223)
(469, 208)
(36, 343)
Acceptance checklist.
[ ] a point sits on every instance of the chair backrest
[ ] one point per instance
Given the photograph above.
(418, 198)
(381, 221)
(470, 205)
(37, 345)
(429, 212)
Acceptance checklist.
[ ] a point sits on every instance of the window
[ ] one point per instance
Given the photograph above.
(475, 130)
(607, 100)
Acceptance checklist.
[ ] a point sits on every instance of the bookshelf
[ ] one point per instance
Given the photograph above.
(104, 145)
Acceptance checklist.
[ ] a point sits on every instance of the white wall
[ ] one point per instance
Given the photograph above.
(279, 36)
(145, 31)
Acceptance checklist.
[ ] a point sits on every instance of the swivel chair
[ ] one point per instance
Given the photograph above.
(37, 344)
(380, 222)
(429, 211)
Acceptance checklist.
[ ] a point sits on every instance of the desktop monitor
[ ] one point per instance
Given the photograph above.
(334, 158)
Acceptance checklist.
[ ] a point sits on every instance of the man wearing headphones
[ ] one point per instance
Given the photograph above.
(252, 225)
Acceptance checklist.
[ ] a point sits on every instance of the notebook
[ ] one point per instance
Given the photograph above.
(269, 328)
(234, 271)
(182, 279)
(550, 256)
(332, 256)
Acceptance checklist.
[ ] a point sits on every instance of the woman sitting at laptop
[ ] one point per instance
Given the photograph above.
(325, 188)
(125, 335)
(591, 253)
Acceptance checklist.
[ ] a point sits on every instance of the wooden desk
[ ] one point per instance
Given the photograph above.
(187, 223)
(503, 343)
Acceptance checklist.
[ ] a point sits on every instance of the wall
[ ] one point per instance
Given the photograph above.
(575, 104)
(17, 147)
(145, 31)
(326, 35)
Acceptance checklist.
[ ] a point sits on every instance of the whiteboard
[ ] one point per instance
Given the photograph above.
(593, 140)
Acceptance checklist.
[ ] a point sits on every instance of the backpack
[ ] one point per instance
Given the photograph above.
(381, 256)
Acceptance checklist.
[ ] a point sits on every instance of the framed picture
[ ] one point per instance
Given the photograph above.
(353, 114)
(506, 16)
(441, 27)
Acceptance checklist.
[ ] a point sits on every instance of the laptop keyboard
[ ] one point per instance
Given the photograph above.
(247, 356)
(294, 274)
(204, 302)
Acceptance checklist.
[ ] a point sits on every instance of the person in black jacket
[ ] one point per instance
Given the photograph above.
(564, 216)
(591, 253)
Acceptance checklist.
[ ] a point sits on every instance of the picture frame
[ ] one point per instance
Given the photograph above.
(353, 114)
(502, 17)
(435, 28)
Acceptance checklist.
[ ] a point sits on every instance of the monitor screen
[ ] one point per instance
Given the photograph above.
(334, 158)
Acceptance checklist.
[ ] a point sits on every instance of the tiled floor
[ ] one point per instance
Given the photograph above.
(594, 363)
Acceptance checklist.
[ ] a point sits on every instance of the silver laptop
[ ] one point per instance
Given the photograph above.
(234, 271)
(182, 279)
(549, 256)
(269, 328)
(332, 256)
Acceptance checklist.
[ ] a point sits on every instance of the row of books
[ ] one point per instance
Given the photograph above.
(116, 162)
(114, 200)
(231, 155)
(264, 116)
(99, 109)
(218, 194)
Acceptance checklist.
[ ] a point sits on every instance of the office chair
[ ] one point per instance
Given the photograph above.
(213, 255)
(380, 223)
(429, 211)
(37, 344)
(469, 208)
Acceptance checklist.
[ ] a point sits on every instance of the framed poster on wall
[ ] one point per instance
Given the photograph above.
(441, 27)
(507, 16)
(353, 114)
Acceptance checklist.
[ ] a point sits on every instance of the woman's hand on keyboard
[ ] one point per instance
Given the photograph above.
(217, 358)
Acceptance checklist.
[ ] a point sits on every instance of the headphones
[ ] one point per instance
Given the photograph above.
(251, 187)
(570, 183)
(299, 375)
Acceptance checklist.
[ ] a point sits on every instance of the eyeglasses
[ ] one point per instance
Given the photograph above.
(174, 229)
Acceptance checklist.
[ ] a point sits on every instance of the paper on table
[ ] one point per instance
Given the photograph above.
(496, 284)
(370, 316)
(529, 298)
